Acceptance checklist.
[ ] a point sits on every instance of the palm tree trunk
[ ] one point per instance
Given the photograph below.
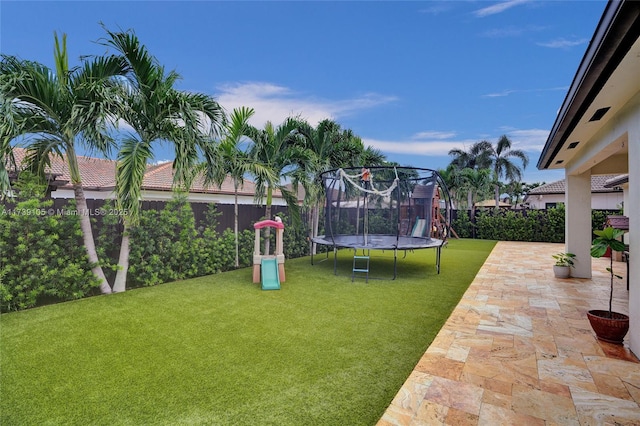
(267, 231)
(315, 220)
(87, 237)
(120, 283)
(497, 195)
(235, 221)
(267, 213)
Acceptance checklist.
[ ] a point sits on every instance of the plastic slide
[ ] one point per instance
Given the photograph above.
(418, 228)
(269, 272)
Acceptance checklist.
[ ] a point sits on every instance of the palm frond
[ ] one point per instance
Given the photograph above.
(130, 169)
(39, 153)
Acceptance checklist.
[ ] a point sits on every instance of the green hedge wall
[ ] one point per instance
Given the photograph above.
(520, 225)
(42, 257)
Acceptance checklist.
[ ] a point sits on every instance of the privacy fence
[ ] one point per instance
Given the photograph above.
(248, 214)
(42, 259)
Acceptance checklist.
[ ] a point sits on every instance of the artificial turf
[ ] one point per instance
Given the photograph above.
(217, 350)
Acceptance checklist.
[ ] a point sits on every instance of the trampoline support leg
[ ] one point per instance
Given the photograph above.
(395, 262)
(335, 260)
(320, 260)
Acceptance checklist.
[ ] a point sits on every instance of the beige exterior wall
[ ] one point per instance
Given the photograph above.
(165, 196)
(614, 149)
(599, 201)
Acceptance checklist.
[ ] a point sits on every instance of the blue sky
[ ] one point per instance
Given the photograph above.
(413, 79)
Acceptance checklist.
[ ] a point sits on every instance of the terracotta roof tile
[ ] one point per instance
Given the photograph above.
(96, 173)
(597, 185)
(99, 174)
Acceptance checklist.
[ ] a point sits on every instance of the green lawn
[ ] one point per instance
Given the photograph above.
(218, 350)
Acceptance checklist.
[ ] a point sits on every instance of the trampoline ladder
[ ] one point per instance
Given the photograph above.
(360, 265)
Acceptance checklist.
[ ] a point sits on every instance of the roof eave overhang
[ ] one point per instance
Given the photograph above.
(614, 36)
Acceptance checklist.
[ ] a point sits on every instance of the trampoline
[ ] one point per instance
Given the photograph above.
(384, 208)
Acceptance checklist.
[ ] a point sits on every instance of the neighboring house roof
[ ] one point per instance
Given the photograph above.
(160, 177)
(96, 173)
(100, 174)
(617, 181)
(597, 185)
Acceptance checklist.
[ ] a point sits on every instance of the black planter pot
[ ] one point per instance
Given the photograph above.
(609, 329)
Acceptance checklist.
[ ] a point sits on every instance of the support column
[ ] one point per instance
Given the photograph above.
(632, 210)
(578, 222)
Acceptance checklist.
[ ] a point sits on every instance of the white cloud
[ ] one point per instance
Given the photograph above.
(433, 135)
(511, 31)
(413, 147)
(508, 92)
(433, 143)
(528, 139)
(275, 103)
(563, 43)
(436, 8)
(499, 94)
(498, 8)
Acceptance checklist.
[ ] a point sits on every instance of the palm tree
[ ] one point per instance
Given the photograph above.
(477, 157)
(8, 131)
(477, 183)
(321, 142)
(59, 112)
(281, 151)
(483, 155)
(230, 159)
(331, 147)
(501, 162)
(156, 112)
(454, 179)
(370, 157)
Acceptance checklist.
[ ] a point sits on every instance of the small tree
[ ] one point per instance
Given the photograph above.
(608, 238)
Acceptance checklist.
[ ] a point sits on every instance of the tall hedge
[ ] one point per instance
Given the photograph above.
(527, 225)
(42, 257)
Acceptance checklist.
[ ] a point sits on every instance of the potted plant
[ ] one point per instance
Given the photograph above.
(608, 325)
(563, 265)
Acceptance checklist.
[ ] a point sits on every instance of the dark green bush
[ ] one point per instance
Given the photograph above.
(165, 245)
(295, 239)
(528, 225)
(462, 225)
(42, 257)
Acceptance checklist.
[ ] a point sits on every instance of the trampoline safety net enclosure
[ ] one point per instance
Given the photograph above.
(385, 208)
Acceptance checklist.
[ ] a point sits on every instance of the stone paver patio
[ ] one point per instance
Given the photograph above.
(519, 350)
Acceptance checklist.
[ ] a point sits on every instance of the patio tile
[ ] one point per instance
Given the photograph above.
(518, 349)
(568, 371)
(451, 393)
(440, 366)
(544, 405)
(460, 418)
(494, 415)
(430, 414)
(598, 409)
